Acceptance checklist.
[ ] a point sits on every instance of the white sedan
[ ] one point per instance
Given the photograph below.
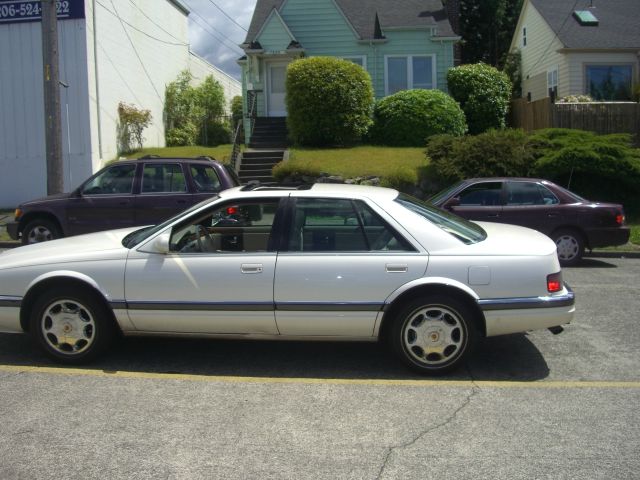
(328, 262)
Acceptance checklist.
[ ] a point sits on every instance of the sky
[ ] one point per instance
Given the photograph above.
(216, 28)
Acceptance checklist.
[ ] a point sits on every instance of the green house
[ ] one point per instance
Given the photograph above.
(403, 44)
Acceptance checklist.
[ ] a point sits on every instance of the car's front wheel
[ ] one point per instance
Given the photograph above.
(570, 246)
(40, 230)
(71, 325)
(433, 335)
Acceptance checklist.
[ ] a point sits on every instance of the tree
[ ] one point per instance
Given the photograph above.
(487, 27)
(132, 122)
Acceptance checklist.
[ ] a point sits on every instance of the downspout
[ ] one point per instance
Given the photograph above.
(95, 69)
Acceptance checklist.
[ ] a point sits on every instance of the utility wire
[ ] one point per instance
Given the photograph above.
(544, 54)
(216, 35)
(156, 24)
(225, 14)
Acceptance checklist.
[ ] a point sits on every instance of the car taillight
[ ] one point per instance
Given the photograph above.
(554, 282)
(620, 219)
(232, 210)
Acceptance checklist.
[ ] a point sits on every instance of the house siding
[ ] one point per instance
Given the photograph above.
(577, 62)
(274, 37)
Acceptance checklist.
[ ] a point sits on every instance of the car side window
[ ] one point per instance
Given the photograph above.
(163, 178)
(233, 227)
(529, 193)
(486, 194)
(116, 180)
(340, 225)
(205, 178)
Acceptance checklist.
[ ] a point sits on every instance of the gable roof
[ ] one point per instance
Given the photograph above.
(618, 23)
(361, 14)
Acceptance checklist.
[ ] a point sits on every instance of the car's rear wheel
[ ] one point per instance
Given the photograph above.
(570, 246)
(71, 325)
(433, 335)
(40, 230)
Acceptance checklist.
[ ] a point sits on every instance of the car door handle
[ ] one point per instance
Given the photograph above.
(251, 268)
(396, 268)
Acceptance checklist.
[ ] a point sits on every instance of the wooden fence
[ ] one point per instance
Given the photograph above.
(601, 118)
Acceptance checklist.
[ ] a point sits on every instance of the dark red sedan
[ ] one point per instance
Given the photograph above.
(571, 221)
(126, 193)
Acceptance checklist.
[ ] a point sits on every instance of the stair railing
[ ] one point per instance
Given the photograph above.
(252, 101)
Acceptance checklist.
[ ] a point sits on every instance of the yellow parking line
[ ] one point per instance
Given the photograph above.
(311, 381)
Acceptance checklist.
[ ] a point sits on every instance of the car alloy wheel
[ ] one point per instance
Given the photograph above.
(40, 230)
(71, 324)
(570, 247)
(434, 335)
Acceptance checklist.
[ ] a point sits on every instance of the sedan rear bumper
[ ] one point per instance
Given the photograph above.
(608, 237)
(514, 315)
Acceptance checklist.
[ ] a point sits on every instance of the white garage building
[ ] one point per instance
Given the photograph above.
(111, 51)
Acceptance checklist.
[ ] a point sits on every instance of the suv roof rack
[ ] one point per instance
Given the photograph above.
(254, 185)
(149, 156)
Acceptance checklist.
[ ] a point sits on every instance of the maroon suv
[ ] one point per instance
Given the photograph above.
(571, 221)
(127, 193)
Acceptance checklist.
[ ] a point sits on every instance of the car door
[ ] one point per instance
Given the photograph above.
(339, 260)
(205, 181)
(481, 201)
(163, 193)
(217, 277)
(531, 204)
(104, 202)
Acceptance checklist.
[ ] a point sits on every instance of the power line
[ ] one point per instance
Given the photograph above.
(115, 14)
(214, 35)
(157, 25)
(225, 14)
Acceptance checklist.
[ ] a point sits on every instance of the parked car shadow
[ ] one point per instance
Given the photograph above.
(512, 358)
(590, 262)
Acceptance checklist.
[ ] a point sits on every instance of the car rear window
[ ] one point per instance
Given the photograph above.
(465, 231)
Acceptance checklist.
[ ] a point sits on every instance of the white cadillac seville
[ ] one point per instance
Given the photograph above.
(327, 262)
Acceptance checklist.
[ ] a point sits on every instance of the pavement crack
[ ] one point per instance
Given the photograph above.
(391, 450)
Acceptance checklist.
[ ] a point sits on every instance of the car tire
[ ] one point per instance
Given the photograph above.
(433, 335)
(72, 325)
(570, 246)
(40, 230)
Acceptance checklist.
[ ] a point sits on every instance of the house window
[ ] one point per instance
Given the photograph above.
(358, 60)
(524, 37)
(609, 82)
(409, 72)
(552, 82)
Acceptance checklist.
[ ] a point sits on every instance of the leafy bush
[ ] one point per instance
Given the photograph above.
(576, 99)
(236, 110)
(132, 121)
(494, 153)
(598, 167)
(409, 117)
(483, 93)
(188, 108)
(215, 132)
(329, 101)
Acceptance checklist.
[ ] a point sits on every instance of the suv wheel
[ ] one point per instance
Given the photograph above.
(40, 230)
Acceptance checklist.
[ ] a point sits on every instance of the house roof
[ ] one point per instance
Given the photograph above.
(362, 16)
(618, 23)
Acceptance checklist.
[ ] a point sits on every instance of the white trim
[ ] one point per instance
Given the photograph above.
(409, 58)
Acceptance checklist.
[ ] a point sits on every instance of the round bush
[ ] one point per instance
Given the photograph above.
(329, 101)
(483, 93)
(409, 117)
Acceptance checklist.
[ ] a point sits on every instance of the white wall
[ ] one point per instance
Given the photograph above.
(201, 69)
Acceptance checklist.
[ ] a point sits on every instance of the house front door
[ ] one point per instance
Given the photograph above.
(276, 73)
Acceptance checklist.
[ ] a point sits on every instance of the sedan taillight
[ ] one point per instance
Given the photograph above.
(554, 282)
(620, 219)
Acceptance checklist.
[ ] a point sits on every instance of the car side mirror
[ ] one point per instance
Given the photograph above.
(160, 244)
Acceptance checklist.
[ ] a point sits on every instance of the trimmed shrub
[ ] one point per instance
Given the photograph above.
(409, 117)
(483, 93)
(494, 153)
(329, 101)
(215, 132)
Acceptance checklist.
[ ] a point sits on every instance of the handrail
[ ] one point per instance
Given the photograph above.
(252, 101)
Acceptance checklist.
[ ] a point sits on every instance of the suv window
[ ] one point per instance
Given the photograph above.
(241, 226)
(163, 177)
(114, 180)
(341, 225)
(205, 178)
(482, 194)
(529, 193)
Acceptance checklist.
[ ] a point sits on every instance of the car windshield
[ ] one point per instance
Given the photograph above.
(465, 231)
(440, 196)
(134, 238)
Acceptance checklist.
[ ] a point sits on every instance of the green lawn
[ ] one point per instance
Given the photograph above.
(222, 153)
(357, 161)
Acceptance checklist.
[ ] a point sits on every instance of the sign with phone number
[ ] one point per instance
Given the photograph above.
(21, 11)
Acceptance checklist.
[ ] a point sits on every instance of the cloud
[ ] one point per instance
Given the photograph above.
(214, 36)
